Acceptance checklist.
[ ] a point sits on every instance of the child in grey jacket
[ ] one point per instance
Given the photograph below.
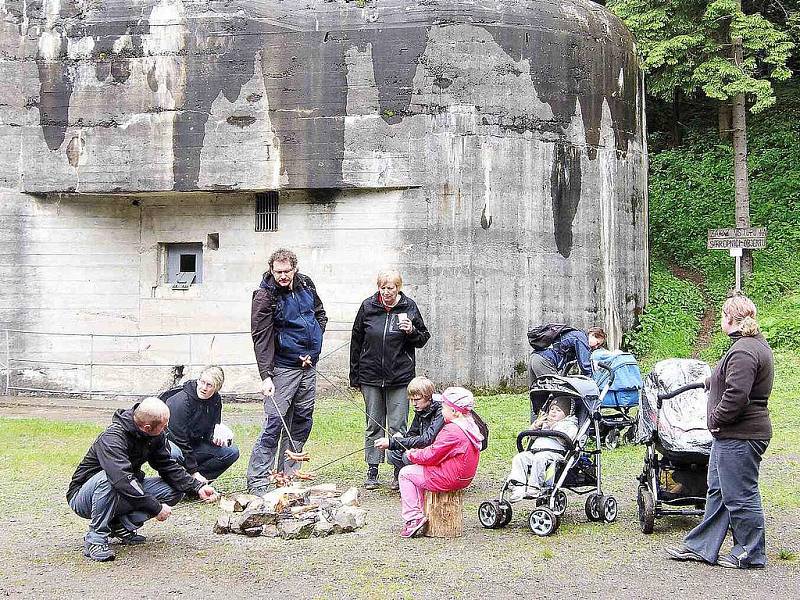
(545, 450)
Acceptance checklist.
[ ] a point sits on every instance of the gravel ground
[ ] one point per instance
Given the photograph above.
(40, 553)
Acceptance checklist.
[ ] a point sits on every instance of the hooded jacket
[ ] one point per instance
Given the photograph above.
(573, 345)
(120, 451)
(286, 323)
(740, 385)
(381, 354)
(424, 428)
(192, 421)
(451, 461)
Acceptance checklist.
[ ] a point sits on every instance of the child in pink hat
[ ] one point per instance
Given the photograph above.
(448, 464)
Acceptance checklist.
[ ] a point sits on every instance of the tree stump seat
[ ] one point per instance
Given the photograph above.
(445, 512)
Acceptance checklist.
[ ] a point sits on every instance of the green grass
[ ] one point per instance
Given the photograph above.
(40, 455)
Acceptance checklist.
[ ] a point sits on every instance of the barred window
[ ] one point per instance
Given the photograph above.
(267, 211)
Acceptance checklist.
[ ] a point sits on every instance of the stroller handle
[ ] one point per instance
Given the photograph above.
(696, 385)
(532, 433)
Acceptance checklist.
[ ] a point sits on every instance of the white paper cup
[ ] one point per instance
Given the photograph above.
(402, 316)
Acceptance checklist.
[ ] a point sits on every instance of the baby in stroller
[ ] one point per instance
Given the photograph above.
(529, 469)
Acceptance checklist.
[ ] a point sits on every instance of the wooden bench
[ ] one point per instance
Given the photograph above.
(445, 512)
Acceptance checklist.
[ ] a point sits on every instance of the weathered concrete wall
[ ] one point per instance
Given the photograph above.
(495, 151)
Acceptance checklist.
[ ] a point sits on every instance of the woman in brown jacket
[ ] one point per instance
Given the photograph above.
(738, 418)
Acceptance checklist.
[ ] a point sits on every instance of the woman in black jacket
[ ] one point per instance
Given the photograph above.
(387, 330)
(738, 418)
(197, 437)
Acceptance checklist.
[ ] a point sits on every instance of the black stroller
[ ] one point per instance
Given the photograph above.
(672, 425)
(579, 471)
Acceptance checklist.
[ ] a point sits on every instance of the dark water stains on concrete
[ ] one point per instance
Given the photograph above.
(565, 192)
(218, 63)
(74, 150)
(55, 89)
(240, 121)
(486, 222)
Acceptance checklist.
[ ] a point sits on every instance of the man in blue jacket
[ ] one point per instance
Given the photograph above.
(287, 324)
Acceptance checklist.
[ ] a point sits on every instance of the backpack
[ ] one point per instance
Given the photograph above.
(543, 336)
(483, 428)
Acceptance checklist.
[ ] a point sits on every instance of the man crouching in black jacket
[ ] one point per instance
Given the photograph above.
(110, 489)
(427, 423)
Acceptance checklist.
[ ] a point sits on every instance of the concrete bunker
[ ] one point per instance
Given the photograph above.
(495, 155)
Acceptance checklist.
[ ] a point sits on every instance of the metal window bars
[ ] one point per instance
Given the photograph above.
(267, 211)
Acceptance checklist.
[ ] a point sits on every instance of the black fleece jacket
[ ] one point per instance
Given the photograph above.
(424, 428)
(740, 385)
(192, 420)
(120, 451)
(380, 353)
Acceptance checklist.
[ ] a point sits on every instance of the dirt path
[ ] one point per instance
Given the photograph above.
(708, 322)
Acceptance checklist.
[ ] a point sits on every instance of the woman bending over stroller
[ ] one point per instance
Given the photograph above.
(543, 452)
(446, 465)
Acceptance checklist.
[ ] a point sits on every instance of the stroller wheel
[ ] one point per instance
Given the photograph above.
(594, 503)
(630, 434)
(647, 509)
(560, 503)
(489, 514)
(609, 509)
(612, 439)
(543, 521)
(506, 512)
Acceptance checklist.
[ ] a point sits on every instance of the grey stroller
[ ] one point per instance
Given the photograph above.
(579, 470)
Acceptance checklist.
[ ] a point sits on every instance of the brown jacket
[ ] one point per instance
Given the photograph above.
(739, 388)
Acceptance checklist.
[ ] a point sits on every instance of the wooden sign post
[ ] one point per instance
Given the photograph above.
(735, 239)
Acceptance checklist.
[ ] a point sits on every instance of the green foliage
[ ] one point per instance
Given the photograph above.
(669, 324)
(686, 45)
(691, 190)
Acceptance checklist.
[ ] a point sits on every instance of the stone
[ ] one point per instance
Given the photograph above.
(322, 488)
(323, 527)
(252, 518)
(349, 518)
(296, 529)
(223, 524)
(270, 531)
(350, 497)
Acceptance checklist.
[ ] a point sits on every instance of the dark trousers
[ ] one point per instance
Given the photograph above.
(212, 460)
(98, 502)
(733, 502)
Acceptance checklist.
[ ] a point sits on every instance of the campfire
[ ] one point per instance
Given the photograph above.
(292, 512)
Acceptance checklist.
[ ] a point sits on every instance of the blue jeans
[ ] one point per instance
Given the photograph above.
(734, 502)
(98, 502)
(212, 460)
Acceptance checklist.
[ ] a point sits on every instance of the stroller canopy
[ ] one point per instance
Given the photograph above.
(680, 425)
(582, 390)
(625, 388)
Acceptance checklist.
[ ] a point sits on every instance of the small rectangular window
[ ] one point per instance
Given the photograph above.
(184, 264)
(267, 211)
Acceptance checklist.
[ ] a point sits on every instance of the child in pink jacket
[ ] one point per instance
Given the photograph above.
(448, 464)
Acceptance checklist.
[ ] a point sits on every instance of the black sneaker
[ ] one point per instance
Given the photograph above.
(372, 482)
(98, 552)
(731, 562)
(683, 553)
(128, 538)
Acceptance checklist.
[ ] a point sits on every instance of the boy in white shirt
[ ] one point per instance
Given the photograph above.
(557, 418)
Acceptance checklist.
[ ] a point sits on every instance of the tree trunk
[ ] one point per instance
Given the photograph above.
(742, 188)
(445, 512)
(724, 123)
(677, 135)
